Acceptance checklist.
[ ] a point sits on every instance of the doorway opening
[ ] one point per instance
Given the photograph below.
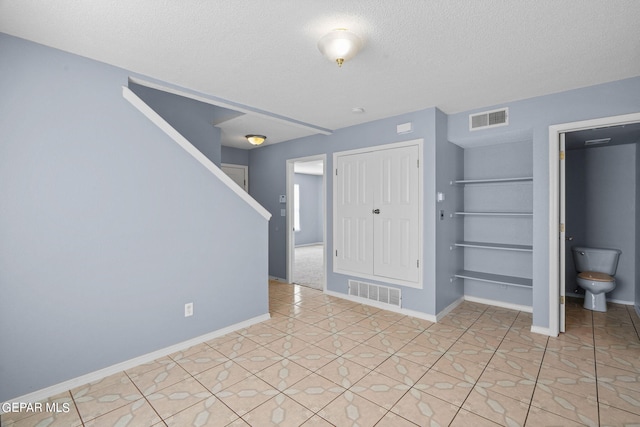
(306, 221)
(561, 233)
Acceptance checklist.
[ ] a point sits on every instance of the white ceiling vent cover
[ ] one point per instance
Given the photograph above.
(489, 119)
(380, 294)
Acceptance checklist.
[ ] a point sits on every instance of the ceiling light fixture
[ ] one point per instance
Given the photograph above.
(255, 139)
(339, 45)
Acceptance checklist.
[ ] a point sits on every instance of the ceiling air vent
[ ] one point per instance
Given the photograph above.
(489, 119)
(597, 141)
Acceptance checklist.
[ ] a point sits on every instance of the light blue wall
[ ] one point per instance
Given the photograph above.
(499, 161)
(449, 167)
(267, 180)
(310, 209)
(601, 210)
(235, 156)
(107, 227)
(534, 116)
(193, 119)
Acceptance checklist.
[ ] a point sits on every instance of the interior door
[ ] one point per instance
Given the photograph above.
(354, 241)
(238, 174)
(562, 237)
(396, 214)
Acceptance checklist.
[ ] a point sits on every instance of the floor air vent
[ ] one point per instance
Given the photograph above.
(489, 119)
(373, 292)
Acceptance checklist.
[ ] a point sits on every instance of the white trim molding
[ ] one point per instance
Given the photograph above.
(449, 308)
(421, 215)
(47, 392)
(405, 311)
(155, 118)
(219, 102)
(290, 235)
(554, 204)
(517, 307)
(543, 331)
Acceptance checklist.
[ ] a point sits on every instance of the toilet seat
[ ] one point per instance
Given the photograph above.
(595, 276)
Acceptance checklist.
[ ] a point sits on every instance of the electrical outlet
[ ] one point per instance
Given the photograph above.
(188, 309)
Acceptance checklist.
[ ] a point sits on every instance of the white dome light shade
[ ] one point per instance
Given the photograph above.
(339, 45)
(255, 139)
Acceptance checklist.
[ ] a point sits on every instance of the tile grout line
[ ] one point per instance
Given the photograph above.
(474, 383)
(144, 397)
(485, 367)
(535, 384)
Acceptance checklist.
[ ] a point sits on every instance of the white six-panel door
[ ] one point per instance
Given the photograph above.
(355, 221)
(395, 227)
(378, 214)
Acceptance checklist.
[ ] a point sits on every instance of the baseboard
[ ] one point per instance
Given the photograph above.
(405, 311)
(615, 301)
(542, 331)
(278, 279)
(450, 307)
(518, 307)
(53, 390)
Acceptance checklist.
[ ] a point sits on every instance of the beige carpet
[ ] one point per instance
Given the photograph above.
(308, 268)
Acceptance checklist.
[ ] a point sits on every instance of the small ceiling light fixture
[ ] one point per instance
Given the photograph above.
(255, 139)
(339, 45)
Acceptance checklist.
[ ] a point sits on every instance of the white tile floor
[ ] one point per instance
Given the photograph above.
(323, 361)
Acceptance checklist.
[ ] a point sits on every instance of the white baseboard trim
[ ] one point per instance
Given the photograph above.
(618, 301)
(542, 331)
(450, 307)
(405, 311)
(615, 301)
(47, 392)
(518, 307)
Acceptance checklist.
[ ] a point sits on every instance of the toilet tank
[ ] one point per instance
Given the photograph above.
(601, 260)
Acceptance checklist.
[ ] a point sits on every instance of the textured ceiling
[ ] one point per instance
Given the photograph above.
(452, 54)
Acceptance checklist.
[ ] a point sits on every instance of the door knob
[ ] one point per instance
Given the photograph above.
(375, 211)
(568, 238)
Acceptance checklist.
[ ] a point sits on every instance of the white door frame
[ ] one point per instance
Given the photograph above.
(245, 169)
(554, 203)
(290, 209)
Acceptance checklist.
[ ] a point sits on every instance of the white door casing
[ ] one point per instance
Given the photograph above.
(238, 173)
(554, 208)
(377, 213)
(563, 230)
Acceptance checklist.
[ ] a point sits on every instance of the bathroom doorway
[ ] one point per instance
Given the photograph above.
(306, 221)
(571, 189)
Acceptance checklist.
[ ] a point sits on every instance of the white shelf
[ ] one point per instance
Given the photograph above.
(491, 181)
(495, 213)
(498, 246)
(520, 282)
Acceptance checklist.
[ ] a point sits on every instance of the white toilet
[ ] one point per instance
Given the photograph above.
(596, 268)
